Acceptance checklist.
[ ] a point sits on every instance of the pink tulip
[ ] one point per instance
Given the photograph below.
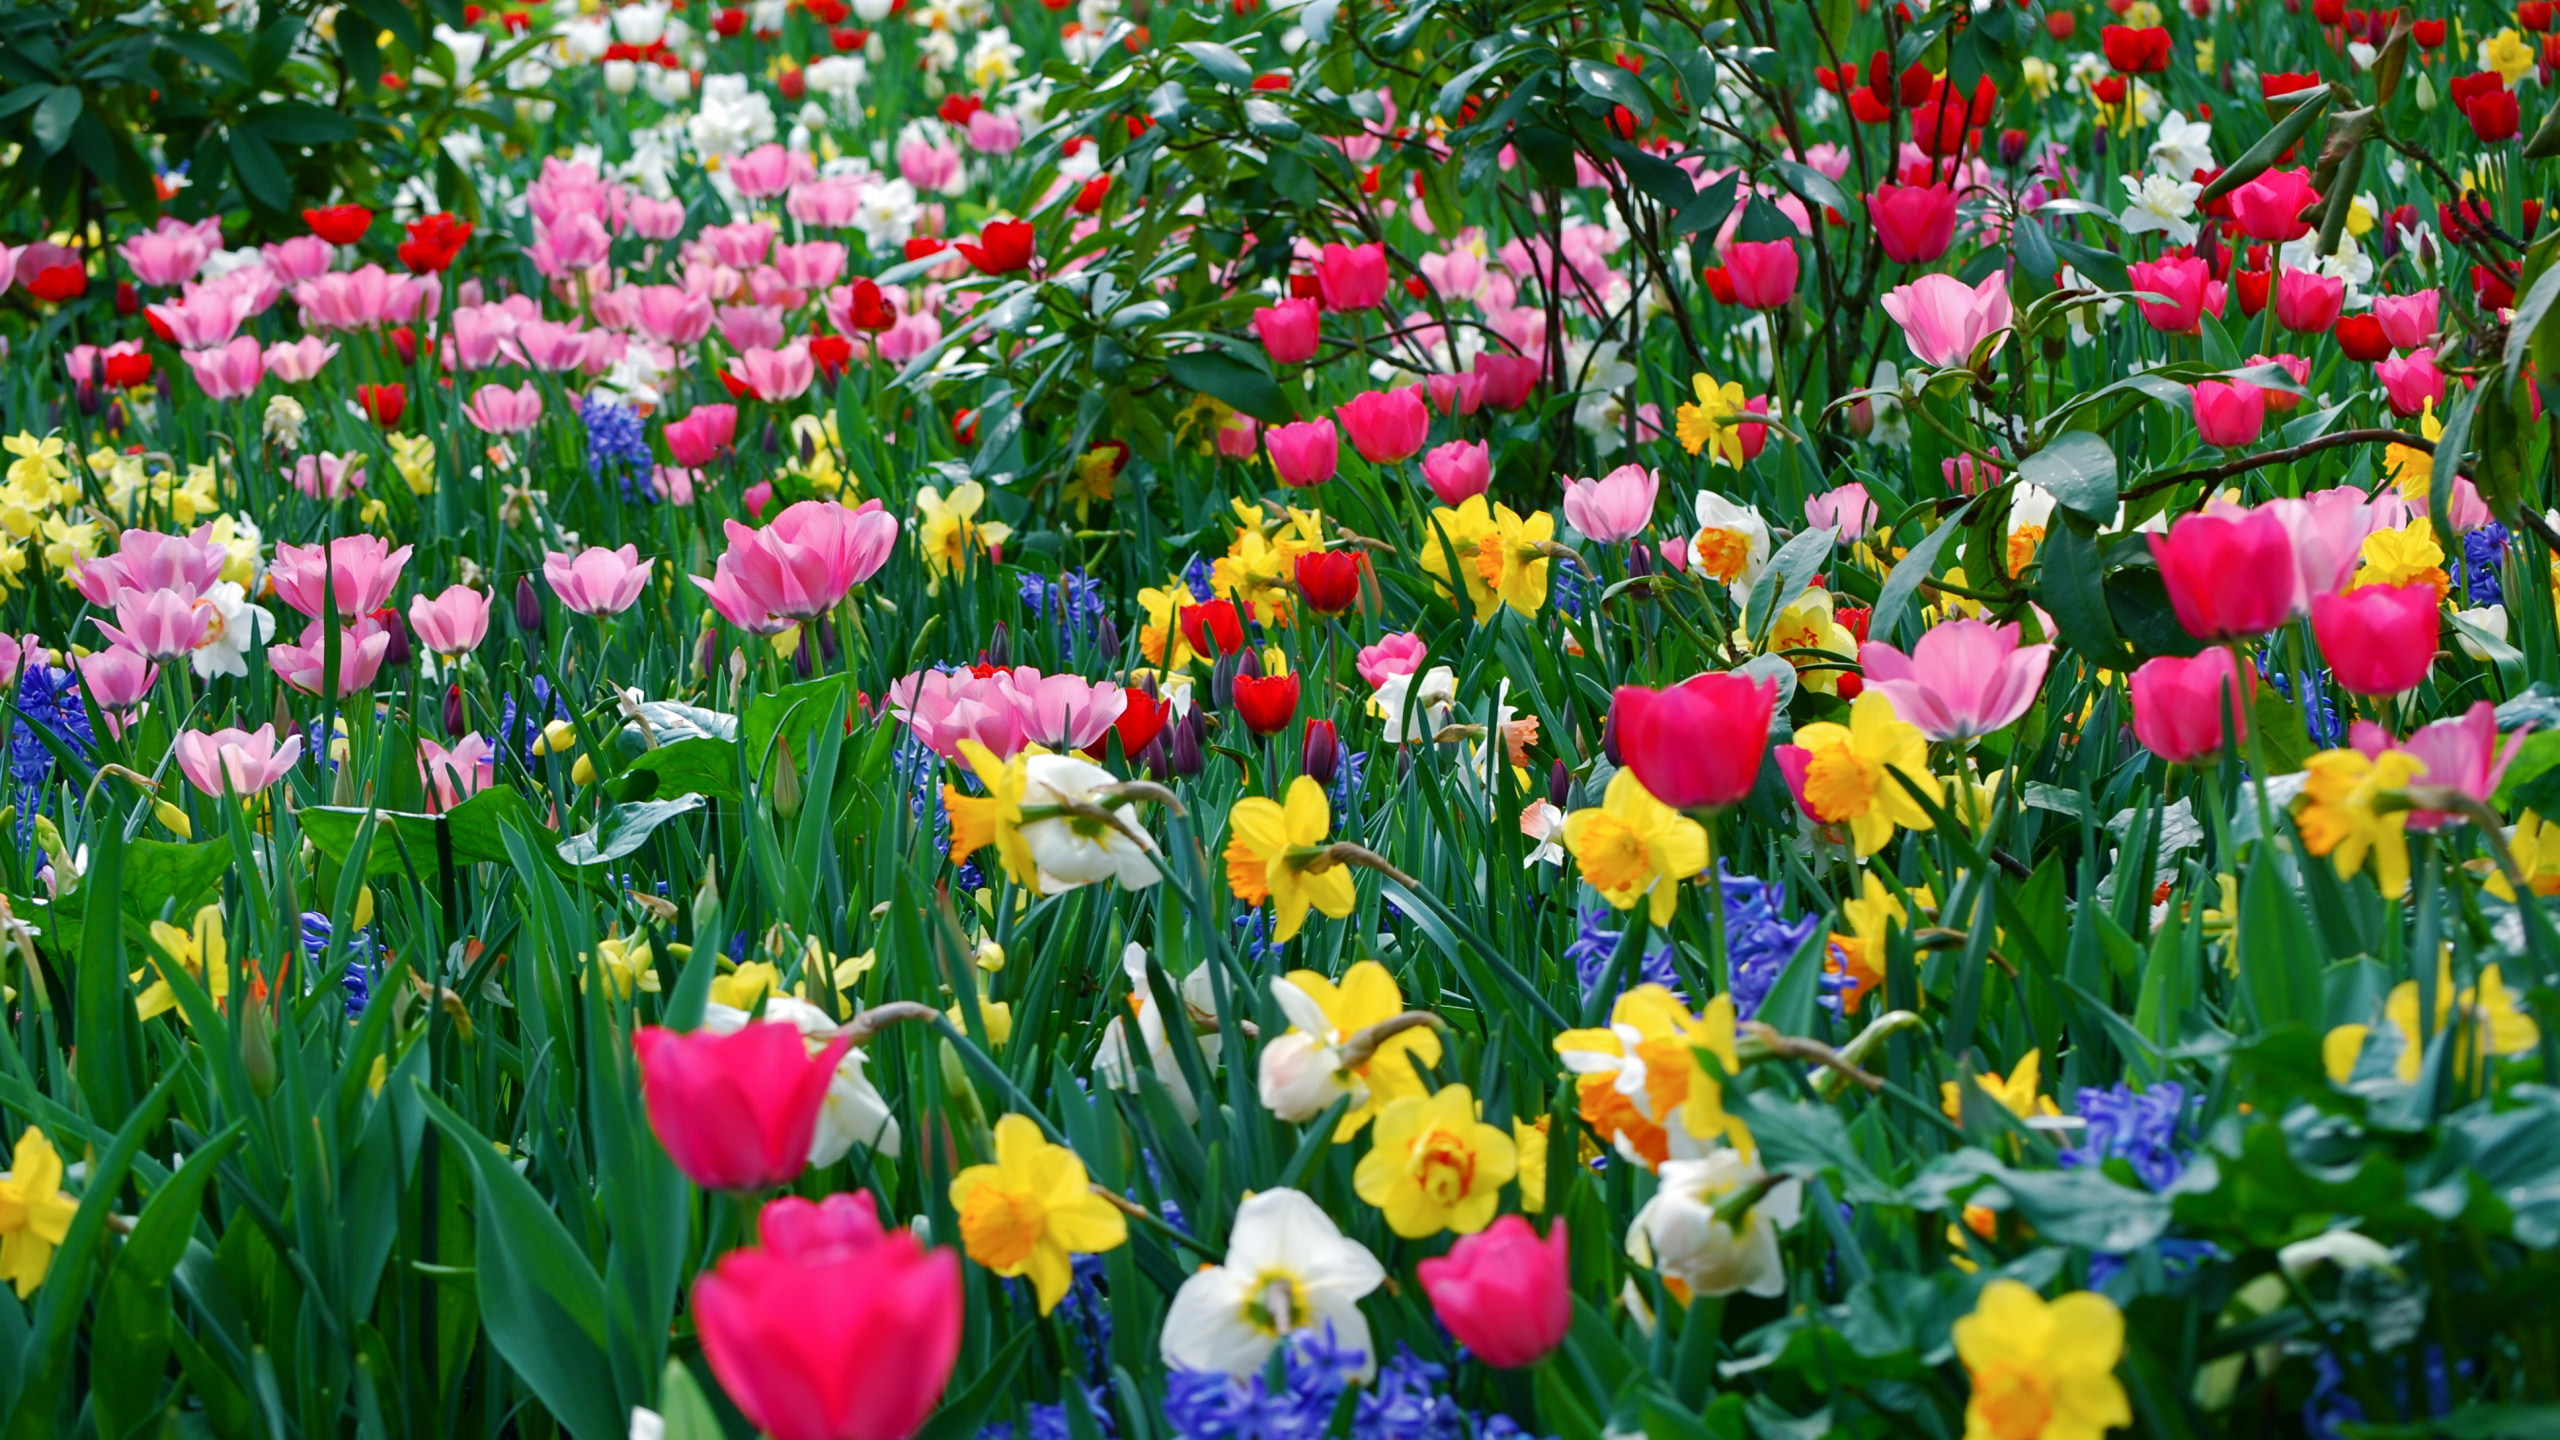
(228, 373)
(165, 257)
(929, 167)
(779, 1323)
(1289, 330)
(777, 375)
(768, 170)
(329, 476)
(2179, 705)
(702, 434)
(304, 257)
(801, 565)
(597, 581)
(2229, 577)
(243, 761)
(1458, 469)
(1969, 476)
(2229, 413)
(1914, 223)
(498, 410)
(1004, 711)
(1352, 277)
(735, 1111)
(655, 219)
(552, 347)
(2270, 207)
(748, 327)
(991, 133)
(149, 560)
(1846, 508)
(2461, 752)
(362, 299)
(2308, 303)
(360, 572)
(294, 361)
(480, 336)
(1965, 678)
(304, 665)
(740, 246)
(1396, 654)
(814, 265)
(1385, 425)
(672, 316)
(1304, 453)
(1509, 380)
(1460, 394)
(2181, 280)
(575, 245)
(913, 335)
(2297, 366)
(455, 775)
(118, 679)
(2327, 530)
(1944, 320)
(2410, 381)
(1698, 744)
(1239, 437)
(2378, 639)
(1764, 272)
(1614, 507)
(1504, 1293)
(1065, 712)
(452, 624)
(160, 624)
(2408, 321)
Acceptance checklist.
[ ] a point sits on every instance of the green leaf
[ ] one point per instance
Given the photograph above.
(2279, 956)
(540, 1298)
(963, 1415)
(299, 122)
(1916, 565)
(1784, 578)
(477, 829)
(683, 1406)
(2072, 588)
(695, 765)
(2079, 469)
(625, 828)
(1614, 84)
(1668, 184)
(1815, 187)
(262, 175)
(1232, 382)
(1222, 64)
(2259, 158)
(55, 115)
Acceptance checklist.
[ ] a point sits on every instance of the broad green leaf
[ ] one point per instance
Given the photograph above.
(2079, 469)
(1232, 382)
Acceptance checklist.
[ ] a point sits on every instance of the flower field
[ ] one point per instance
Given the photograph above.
(1144, 720)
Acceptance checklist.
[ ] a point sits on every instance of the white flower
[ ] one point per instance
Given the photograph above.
(872, 11)
(839, 76)
(1074, 850)
(667, 85)
(887, 214)
(1678, 1235)
(584, 41)
(2490, 620)
(1717, 558)
(1428, 705)
(765, 17)
(641, 25)
(1301, 1072)
(2161, 205)
(2185, 146)
(994, 59)
(734, 118)
(465, 46)
(2350, 264)
(1601, 410)
(1114, 1064)
(238, 626)
(1543, 823)
(2343, 1248)
(1288, 1268)
(2086, 320)
(2030, 504)
(855, 1113)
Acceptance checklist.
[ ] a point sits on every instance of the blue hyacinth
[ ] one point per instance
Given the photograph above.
(2475, 570)
(616, 447)
(1758, 944)
(2137, 1127)
(48, 698)
(1592, 948)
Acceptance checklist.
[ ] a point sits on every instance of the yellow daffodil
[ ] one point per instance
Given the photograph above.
(2042, 1371)
(1530, 1142)
(1433, 1166)
(67, 544)
(2016, 1094)
(1705, 423)
(625, 963)
(1642, 1086)
(2339, 817)
(1859, 955)
(199, 951)
(1257, 571)
(2408, 555)
(1633, 846)
(1510, 563)
(1461, 533)
(951, 532)
(1033, 1208)
(741, 988)
(1272, 854)
(414, 457)
(1807, 634)
(1862, 774)
(2492, 1024)
(35, 1214)
(2411, 469)
(38, 461)
(995, 818)
(2535, 844)
(1366, 995)
(2510, 54)
(1161, 639)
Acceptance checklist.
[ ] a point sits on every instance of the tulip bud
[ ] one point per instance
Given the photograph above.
(800, 661)
(456, 717)
(528, 606)
(1106, 637)
(999, 651)
(772, 438)
(1861, 419)
(1559, 784)
(1609, 738)
(706, 656)
(1639, 560)
(1320, 757)
(257, 1049)
(786, 781)
(1183, 752)
(1222, 678)
(829, 647)
(1300, 1076)
(398, 653)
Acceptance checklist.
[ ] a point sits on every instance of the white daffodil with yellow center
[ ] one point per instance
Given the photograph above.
(1289, 1268)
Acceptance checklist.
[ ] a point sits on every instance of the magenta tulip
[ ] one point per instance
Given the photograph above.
(1914, 223)
(1503, 1292)
(2179, 705)
(2308, 303)
(1764, 272)
(1304, 453)
(1289, 330)
(1458, 469)
(2379, 639)
(2270, 207)
(2229, 413)
(1386, 425)
(2180, 280)
(2408, 321)
(2228, 576)
(735, 1111)
(2410, 381)
(1352, 277)
(1696, 745)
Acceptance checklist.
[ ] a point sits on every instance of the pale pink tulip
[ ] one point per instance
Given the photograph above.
(1964, 679)
(1944, 320)
(455, 775)
(501, 411)
(230, 372)
(1614, 507)
(358, 571)
(452, 623)
(597, 581)
(304, 664)
(238, 762)
(160, 624)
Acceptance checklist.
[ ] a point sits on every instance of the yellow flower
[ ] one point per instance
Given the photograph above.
(2401, 557)
(2510, 54)
(1093, 478)
(2338, 818)
(2488, 1013)
(2040, 76)
(34, 1213)
(1031, 1209)
(741, 988)
(1849, 772)
(1703, 424)
(1859, 955)
(2016, 1094)
(1161, 639)
(2042, 1371)
(1257, 572)
(1806, 627)
(1367, 994)
(2535, 844)
(1433, 1166)
(200, 952)
(39, 461)
(995, 818)
(414, 456)
(239, 538)
(1508, 561)
(1463, 530)
(625, 963)
(1270, 849)
(951, 532)
(1530, 1142)
(66, 544)
(1642, 1074)
(1633, 846)
(2411, 469)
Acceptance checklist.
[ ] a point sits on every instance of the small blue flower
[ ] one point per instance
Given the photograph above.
(1592, 948)
(1758, 944)
(2138, 1127)
(617, 447)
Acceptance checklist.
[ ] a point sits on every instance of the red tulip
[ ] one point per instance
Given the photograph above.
(1141, 720)
(1330, 579)
(1503, 1292)
(2379, 640)
(735, 1111)
(2495, 115)
(1003, 247)
(2179, 705)
(339, 224)
(57, 283)
(2229, 577)
(871, 310)
(2133, 50)
(1914, 223)
(1267, 703)
(2362, 337)
(1213, 627)
(383, 403)
(836, 1329)
(1698, 744)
